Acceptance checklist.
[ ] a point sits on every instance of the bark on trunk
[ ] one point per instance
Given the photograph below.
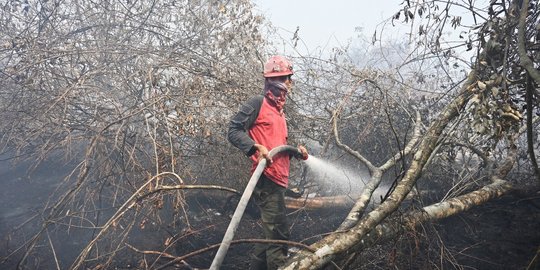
(320, 202)
(389, 229)
(337, 243)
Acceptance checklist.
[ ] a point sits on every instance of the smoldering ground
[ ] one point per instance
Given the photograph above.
(28, 194)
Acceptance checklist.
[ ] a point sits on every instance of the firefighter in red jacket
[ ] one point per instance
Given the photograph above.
(257, 128)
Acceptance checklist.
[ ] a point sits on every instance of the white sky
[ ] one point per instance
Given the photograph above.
(329, 23)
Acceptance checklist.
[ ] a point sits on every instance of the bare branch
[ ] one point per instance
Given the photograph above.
(525, 61)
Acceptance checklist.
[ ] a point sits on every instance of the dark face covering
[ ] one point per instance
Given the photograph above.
(275, 89)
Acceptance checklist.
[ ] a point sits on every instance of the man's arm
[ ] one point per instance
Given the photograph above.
(240, 124)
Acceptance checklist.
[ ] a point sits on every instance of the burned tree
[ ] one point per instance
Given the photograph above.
(133, 96)
(482, 118)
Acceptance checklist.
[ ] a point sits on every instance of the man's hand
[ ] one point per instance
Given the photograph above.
(263, 153)
(303, 152)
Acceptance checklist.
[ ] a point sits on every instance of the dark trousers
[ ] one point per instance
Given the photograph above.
(270, 198)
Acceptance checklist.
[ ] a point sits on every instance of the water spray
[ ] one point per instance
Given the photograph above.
(239, 212)
(337, 177)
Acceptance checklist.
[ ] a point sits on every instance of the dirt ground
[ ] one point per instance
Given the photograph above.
(502, 234)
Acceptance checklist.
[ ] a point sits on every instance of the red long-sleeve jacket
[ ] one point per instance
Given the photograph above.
(258, 121)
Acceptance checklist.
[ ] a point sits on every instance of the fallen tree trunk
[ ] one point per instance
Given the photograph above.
(337, 243)
(389, 229)
(329, 202)
(342, 201)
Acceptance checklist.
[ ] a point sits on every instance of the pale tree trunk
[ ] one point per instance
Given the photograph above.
(389, 229)
(533, 74)
(330, 246)
(497, 188)
(376, 173)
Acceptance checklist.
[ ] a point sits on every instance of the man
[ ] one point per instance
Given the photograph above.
(257, 128)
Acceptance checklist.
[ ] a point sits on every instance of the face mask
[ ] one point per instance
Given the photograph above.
(276, 87)
(276, 91)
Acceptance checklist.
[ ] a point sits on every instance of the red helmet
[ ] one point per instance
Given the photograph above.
(277, 66)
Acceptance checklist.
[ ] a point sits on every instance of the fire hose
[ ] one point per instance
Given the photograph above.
(239, 212)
